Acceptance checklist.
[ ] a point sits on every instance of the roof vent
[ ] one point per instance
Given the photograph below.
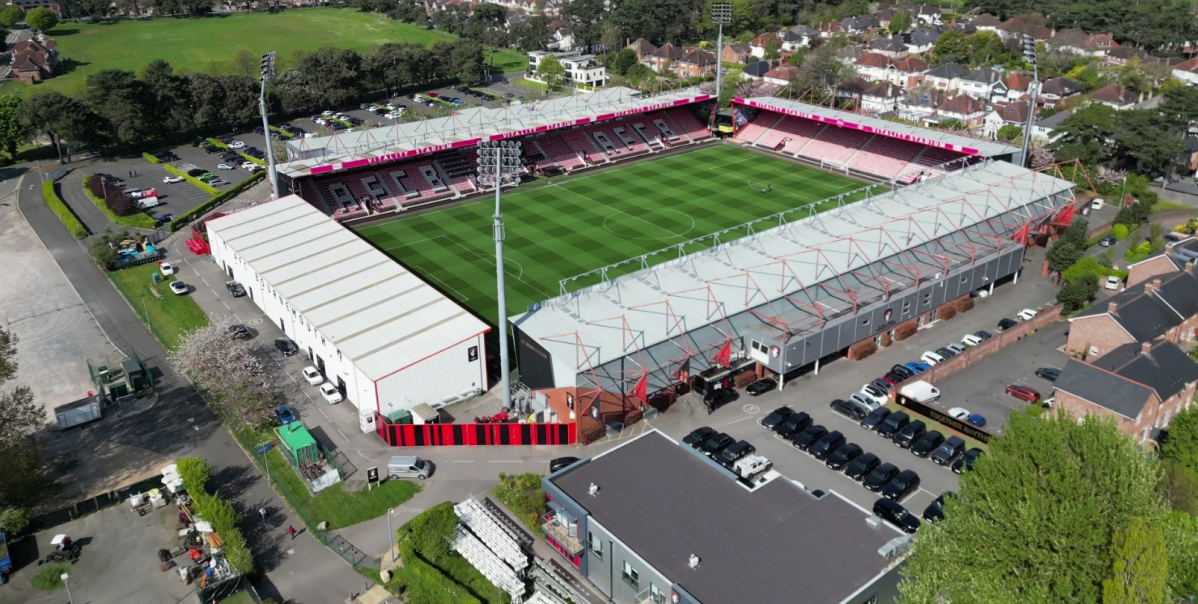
(593, 490)
(693, 562)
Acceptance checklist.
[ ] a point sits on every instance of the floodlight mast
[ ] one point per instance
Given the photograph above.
(496, 160)
(268, 73)
(1029, 55)
(721, 15)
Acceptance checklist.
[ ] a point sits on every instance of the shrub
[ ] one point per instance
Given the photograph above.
(744, 379)
(1120, 231)
(424, 584)
(195, 472)
(885, 340)
(965, 305)
(632, 416)
(946, 312)
(107, 194)
(432, 532)
(904, 331)
(522, 494)
(863, 349)
(61, 210)
(216, 143)
(220, 513)
(591, 434)
(150, 158)
(226, 195)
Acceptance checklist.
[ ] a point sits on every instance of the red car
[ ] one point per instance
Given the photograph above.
(1023, 393)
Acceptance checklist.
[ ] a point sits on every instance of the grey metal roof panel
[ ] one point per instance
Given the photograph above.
(665, 505)
(1103, 388)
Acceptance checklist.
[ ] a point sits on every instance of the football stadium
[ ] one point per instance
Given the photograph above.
(644, 255)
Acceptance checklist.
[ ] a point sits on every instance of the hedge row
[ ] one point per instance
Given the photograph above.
(217, 142)
(140, 220)
(254, 159)
(185, 218)
(61, 210)
(203, 186)
(282, 133)
(150, 158)
(218, 512)
(425, 584)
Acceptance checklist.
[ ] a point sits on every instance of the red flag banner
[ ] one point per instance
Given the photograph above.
(1065, 217)
(641, 390)
(724, 358)
(1022, 234)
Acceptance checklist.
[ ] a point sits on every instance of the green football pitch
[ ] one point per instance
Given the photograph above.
(565, 226)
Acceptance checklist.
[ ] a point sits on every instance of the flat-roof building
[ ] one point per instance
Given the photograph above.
(653, 521)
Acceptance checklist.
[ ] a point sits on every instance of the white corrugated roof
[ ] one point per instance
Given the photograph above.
(379, 315)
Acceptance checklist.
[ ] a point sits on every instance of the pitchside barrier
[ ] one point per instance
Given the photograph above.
(472, 435)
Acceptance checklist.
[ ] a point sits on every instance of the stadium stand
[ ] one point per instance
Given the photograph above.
(688, 124)
(834, 146)
(926, 164)
(559, 153)
(651, 137)
(758, 126)
(581, 143)
(884, 157)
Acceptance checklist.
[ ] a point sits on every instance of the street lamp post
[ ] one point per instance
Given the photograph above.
(1029, 55)
(268, 73)
(66, 583)
(390, 533)
(497, 159)
(721, 15)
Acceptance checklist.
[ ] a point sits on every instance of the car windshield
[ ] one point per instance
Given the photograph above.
(419, 465)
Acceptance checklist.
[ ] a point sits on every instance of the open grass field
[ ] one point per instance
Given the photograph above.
(566, 226)
(168, 316)
(210, 43)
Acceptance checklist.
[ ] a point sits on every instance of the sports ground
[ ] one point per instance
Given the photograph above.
(564, 226)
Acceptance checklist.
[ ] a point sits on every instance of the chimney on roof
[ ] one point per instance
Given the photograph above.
(1156, 283)
(1145, 347)
(1111, 307)
(1189, 266)
(1148, 286)
(1169, 247)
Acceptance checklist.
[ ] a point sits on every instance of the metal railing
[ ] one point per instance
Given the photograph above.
(562, 535)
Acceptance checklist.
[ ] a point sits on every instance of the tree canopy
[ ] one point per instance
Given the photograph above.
(1153, 24)
(21, 476)
(41, 18)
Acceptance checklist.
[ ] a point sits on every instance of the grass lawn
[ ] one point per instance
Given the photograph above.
(167, 315)
(207, 43)
(335, 506)
(558, 228)
(49, 578)
(522, 494)
(241, 597)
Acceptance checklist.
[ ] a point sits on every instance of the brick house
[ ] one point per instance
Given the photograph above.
(986, 22)
(737, 53)
(1175, 257)
(964, 108)
(1165, 307)
(909, 72)
(1141, 386)
(34, 61)
(643, 48)
(695, 62)
(781, 75)
(1115, 96)
(663, 57)
(874, 67)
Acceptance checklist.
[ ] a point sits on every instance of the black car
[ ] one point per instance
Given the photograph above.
(761, 386)
(949, 451)
(825, 446)
(965, 463)
(235, 288)
(862, 466)
(1049, 373)
(776, 417)
(231, 157)
(930, 441)
(935, 510)
(984, 335)
(718, 398)
(882, 385)
(239, 332)
(875, 418)
(880, 477)
(560, 462)
(842, 457)
(892, 424)
(947, 353)
(910, 433)
(897, 515)
(793, 424)
(286, 346)
(903, 371)
(698, 436)
(162, 219)
(738, 450)
(196, 172)
(850, 409)
(804, 440)
(1006, 324)
(900, 486)
(897, 378)
(714, 445)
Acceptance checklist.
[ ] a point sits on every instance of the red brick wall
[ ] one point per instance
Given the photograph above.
(1147, 269)
(1154, 416)
(1101, 332)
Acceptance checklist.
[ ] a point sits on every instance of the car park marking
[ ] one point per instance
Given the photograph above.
(752, 409)
(737, 421)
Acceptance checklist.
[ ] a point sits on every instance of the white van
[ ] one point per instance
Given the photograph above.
(409, 467)
(148, 202)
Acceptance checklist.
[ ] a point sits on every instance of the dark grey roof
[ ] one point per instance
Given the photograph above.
(757, 69)
(1145, 317)
(949, 71)
(1102, 388)
(1180, 291)
(1164, 368)
(760, 547)
(1060, 86)
(985, 75)
(803, 30)
(925, 35)
(1054, 120)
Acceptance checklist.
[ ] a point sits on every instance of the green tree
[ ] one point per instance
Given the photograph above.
(124, 101)
(1076, 294)
(1179, 486)
(1062, 254)
(584, 17)
(13, 520)
(1140, 568)
(11, 15)
(1010, 132)
(1181, 543)
(1149, 140)
(41, 18)
(551, 71)
(60, 118)
(1180, 441)
(22, 479)
(1083, 135)
(619, 62)
(952, 47)
(901, 21)
(1181, 103)
(771, 49)
(1034, 521)
(1077, 233)
(14, 132)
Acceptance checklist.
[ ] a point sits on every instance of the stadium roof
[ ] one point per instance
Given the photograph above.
(777, 263)
(856, 121)
(380, 316)
(777, 544)
(354, 148)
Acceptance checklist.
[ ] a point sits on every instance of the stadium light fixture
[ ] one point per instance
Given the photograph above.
(721, 15)
(1029, 55)
(268, 74)
(498, 160)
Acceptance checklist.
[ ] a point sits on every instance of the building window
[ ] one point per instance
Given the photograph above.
(1144, 435)
(906, 307)
(596, 545)
(655, 595)
(964, 279)
(1166, 422)
(865, 321)
(631, 577)
(570, 401)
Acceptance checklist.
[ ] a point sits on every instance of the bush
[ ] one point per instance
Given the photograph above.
(1085, 266)
(61, 210)
(195, 472)
(424, 584)
(1077, 294)
(432, 532)
(216, 143)
(885, 340)
(203, 186)
(220, 513)
(522, 494)
(863, 349)
(904, 331)
(965, 305)
(1120, 231)
(150, 158)
(946, 312)
(1139, 252)
(226, 195)
(108, 196)
(743, 379)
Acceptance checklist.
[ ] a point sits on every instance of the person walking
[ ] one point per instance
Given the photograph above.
(291, 531)
(262, 514)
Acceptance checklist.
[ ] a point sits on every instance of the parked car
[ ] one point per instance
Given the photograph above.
(901, 486)
(825, 446)
(205, 177)
(284, 415)
(1023, 393)
(235, 288)
(718, 398)
(761, 386)
(776, 417)
(843, 456)
(946, 352)
(286, 346)
(313, 376)
(178, 288)
(729, 456)
(910, 433)
(984, 335)
(162, 219)
(1005, 324)
(850, 409)
(560, 462)
(804, 440)
(793, 425)
(977, 419)
(1112, 283)
(223, 167)
(862, 466)
(879, 477)
(897, 515)
(949, 451)
(875, 418)
(1026, 314)
(698, 436)
(330, 393)
(958, 413)
(966, 461)
(167, 269)
(220, 182)
(929, 442)
(1049, 373)
(876, 396)
(882, 385)
(935, 510)
(903, 371)
(239, 332)
(892, 424)
(867, 402)
(1107, 241)
(716, 444)
(918, 368)
(894, 378)
(931, 358)
(194, 172)
(955, 347)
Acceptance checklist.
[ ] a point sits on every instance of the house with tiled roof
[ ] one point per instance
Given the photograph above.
(1055, 90)
(663, 57)
(946, 77)
(889, 46)
(781, 75)
(1187, 71)
(874, 67)
(695, 62)
(756, 70)
(923, 39)
(1018, 85)
(792, 40)
(986, 22)
(1141, 386)
(1115, 96)
(34, 61)
(908, 72)
(880, 98)
(884, 16)
(642, 48)
(985, 83)
(850, 54)
(1005, 114)
(1164, 306)
(737, 52)
(1046, 128)
(963, 108)
(1120, 56)
(927, 13)
(859, 25)
(1024, 25)
(1077, 42)
(917, 104)
(831, 28)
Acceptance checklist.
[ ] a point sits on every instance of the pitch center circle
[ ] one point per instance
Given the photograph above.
(635, 224)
